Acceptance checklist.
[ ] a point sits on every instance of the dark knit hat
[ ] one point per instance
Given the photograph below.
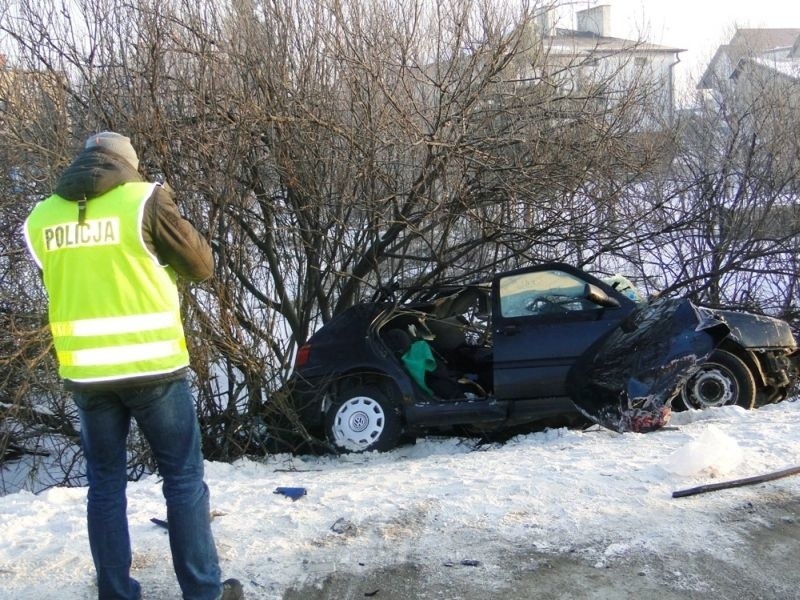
(116, 143)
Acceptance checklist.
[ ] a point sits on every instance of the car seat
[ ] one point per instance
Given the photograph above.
(428, 369)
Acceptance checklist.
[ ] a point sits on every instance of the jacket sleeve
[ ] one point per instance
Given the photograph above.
(174, 240)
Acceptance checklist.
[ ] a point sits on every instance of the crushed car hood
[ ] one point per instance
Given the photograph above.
(626, 381)
(758, 331)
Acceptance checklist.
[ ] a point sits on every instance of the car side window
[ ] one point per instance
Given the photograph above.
(542, 293)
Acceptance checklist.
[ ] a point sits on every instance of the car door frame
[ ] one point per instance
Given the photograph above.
(533, 353)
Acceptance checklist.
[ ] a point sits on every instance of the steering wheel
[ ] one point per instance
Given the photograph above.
(543, 305)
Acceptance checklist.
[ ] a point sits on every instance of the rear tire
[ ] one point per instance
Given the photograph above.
(722, 380)
(363, 418)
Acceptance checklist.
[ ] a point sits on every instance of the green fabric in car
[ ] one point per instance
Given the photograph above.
(419, 360)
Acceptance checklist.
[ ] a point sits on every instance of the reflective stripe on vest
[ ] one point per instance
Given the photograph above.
(117, 355)
(114, 310)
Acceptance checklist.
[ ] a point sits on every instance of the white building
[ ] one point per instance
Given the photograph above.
(753, 58)
(590, 54)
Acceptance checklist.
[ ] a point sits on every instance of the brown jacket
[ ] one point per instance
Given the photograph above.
(173, 239)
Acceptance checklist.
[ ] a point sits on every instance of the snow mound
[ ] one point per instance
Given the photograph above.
(722, 413)
(713, 452)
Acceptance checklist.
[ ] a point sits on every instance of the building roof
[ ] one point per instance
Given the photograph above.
(760, 40)
(570, 41)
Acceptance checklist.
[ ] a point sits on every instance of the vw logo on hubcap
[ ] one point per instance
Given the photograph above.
(359, 421)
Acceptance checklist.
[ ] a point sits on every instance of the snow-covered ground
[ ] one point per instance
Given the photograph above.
(597, 494)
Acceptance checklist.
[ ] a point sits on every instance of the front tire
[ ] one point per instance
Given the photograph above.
(722, 380)
(363, 418)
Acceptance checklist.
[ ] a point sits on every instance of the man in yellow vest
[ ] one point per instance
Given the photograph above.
(110, 246)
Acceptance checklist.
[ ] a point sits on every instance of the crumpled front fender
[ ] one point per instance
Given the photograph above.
(626, 381)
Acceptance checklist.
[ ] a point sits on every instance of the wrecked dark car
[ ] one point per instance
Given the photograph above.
(544, 342)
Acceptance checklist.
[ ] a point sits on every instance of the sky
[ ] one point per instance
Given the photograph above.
(467, 515)
(698, 26)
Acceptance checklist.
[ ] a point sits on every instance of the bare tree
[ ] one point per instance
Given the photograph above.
(732, 225)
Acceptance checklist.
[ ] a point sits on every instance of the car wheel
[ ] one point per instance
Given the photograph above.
(364, 418)
(722, 380)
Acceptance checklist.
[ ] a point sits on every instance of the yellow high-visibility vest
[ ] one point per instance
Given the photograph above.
(114, 310)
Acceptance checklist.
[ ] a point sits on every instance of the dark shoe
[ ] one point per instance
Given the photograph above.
(232, 590)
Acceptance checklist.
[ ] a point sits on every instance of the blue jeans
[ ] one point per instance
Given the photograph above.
(166, 416)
